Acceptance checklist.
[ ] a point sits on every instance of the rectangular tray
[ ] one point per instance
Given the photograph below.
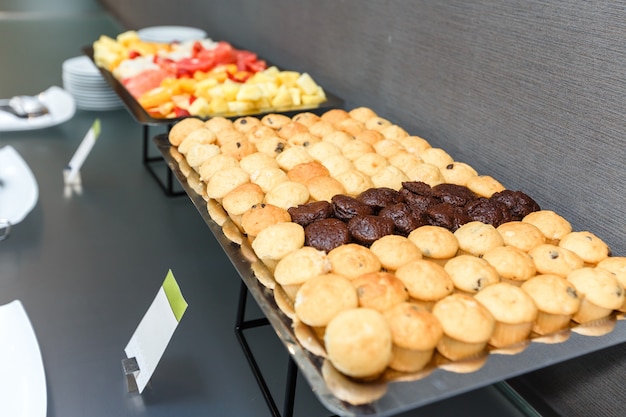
(402, 395)
(144, 118)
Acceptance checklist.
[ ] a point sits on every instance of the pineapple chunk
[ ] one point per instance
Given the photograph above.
(262, 78)
(202, 87)
(318, 97)
(282, 97)
(179, 85)
(288, 78)
(263, 103)
(240, 106)
(249, 92)
(127, 38)
(268, 89)
(200, 107)
(231, 89)
(272, 71)
(217, 92)
(306, 83)
(296, 96)
(218, 105)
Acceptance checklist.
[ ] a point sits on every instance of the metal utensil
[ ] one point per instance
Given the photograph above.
(5, 229)
(24, 106)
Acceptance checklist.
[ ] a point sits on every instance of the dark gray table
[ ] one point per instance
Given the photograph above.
(87, 267)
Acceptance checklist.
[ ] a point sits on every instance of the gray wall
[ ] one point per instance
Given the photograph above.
(531, 92)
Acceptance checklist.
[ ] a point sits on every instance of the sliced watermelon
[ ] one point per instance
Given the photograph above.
(145, 81)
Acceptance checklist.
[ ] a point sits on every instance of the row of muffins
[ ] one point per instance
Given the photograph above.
(468, 301)
(256, 169)
(377, 212)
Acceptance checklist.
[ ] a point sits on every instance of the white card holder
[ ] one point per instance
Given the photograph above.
(131, 369)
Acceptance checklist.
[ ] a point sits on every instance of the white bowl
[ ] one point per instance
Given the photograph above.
(169, 34)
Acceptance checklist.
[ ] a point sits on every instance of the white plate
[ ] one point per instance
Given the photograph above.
(169, 34)
(60, 103)
(94, 98)
(18, 188)
(70, 84)
(100, 106)
(22, 376)
(91, 92)
(80, 66)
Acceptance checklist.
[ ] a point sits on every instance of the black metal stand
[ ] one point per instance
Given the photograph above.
(292, 371)
(149, 161)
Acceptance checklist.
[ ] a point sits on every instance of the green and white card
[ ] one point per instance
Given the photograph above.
(155, 330)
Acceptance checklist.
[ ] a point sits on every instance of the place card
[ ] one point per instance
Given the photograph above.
(148, 343)
(71, 174)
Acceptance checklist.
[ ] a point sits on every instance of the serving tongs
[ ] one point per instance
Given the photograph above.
(24, 106)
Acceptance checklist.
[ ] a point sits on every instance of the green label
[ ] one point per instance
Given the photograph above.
(174, 296)
(96, 128)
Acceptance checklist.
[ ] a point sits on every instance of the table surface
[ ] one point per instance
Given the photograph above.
(86, 267)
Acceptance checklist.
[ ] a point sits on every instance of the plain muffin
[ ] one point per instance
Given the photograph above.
(556, 299)
(380, 290)
(467, 326)
(322, 297)
(601, 293)
(358, 343)
(415, 333)
(514, 311)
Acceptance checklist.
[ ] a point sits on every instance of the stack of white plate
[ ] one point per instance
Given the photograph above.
(83, 80)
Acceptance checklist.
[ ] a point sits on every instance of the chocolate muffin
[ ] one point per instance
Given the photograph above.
(418, 203)
(365, 230)
(305, 214)
(417, 187)
(517, 202)
(404, 219)
(326, 234)
(346, 207)
(378, 198)
(446, 215)
(488, 211)
(454, 194)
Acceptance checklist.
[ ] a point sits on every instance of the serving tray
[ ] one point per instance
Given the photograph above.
(144, 118)
(408, 392)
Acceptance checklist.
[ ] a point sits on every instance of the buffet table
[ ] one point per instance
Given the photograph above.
(87, 265)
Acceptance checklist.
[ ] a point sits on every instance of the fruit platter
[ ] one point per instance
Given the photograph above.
(164, 82)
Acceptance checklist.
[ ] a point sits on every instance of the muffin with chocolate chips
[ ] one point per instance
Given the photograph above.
(556, 299)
